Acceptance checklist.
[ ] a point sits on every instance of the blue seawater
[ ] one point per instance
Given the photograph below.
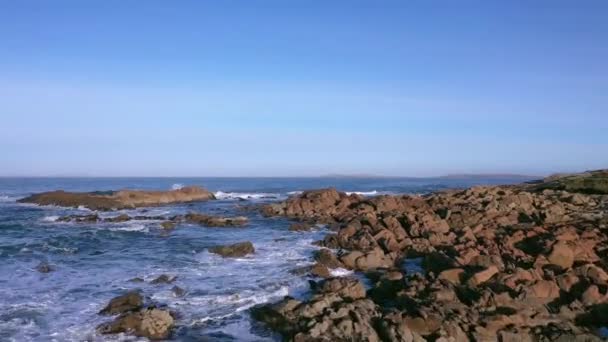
(95, 262)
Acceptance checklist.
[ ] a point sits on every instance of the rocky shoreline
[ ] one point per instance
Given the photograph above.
(501, 263)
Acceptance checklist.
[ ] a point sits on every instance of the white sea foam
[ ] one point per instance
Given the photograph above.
(52, 218)
(177, 186)
(245, 195)
(363, 193)
(340, 272)
(132, 226)
(294, 193)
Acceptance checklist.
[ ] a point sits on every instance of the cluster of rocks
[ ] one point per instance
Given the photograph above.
(123, 199)
(168, 222)
(501, 263)
(137, 319)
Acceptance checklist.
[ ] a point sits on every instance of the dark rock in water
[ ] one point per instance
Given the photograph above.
(215, 221)
(164, 279)
(326, 257)
(44, 267)
(128, 302)
(136, 280)
(178, 291)
(119, 218)
(300, 271)
(152, 323)
(92, 218)
(168, 225)
(235, 251)
(123, 199)
(300, 227)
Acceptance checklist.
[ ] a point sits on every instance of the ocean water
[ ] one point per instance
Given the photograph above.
(96, 262)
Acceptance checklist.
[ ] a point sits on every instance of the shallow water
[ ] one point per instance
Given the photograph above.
(95, 262)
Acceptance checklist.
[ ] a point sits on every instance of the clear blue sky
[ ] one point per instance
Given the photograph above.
(250, 88)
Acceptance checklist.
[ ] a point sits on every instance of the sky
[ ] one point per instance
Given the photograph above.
(302, 88)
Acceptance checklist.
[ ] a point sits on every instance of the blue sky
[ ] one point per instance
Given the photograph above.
(297, 88)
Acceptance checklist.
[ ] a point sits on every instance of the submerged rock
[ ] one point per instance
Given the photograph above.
(44, 267)
(236, 250)
(123, 199)
(215, 221)
(163, 279)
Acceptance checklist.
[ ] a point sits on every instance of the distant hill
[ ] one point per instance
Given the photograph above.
(450, 176)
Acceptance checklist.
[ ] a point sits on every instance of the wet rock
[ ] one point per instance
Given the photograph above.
(320, 270)
(168, 225)
(214, 221)
(164, 279)
(300, 227)
(44, 267)
(236, 250)
(120, 218)
(123, 199)
(152, 323)
(92, 218)
(128, 302)
(327, 258)
(178, 291)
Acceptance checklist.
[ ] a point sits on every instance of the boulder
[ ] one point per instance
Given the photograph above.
(152, 323)
(128, 302)
(236, 250)
(561, 255)
(344, 287)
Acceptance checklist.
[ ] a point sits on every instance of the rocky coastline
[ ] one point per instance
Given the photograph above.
(499, 263)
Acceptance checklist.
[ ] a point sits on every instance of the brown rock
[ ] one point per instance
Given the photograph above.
(123, 199)
(128, 302)
(453, 275)
(561, 255)
(236, 250)
(300, 227)
(155, 324)
(344, 287)
(483, 276)
(168, 225)
(214, 221)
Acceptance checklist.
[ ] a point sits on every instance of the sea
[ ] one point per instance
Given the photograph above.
(95, 262)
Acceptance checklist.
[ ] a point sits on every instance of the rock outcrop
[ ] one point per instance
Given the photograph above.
(135, 319)
(236, 250)
(123, 199)
(503, 263)
(215, 221)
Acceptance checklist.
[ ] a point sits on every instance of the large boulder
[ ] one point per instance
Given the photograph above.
(152, 323)
(128, 302)
(123, 199)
